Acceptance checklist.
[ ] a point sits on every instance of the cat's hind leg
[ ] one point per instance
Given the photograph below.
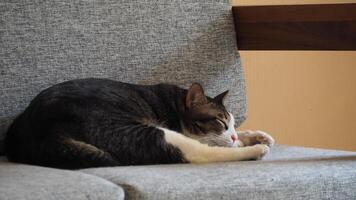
(196, 152)
(74, 154)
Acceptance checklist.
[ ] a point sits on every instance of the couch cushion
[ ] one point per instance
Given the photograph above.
(23, 182)
(286, 173)
(146, 42)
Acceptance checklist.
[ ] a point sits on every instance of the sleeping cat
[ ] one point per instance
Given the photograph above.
(99, 122)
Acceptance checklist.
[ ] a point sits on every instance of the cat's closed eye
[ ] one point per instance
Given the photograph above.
(222, 123)
(202, 123)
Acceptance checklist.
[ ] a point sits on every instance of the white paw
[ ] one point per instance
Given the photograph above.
(256, 137)
(261, 150)
(264, 138)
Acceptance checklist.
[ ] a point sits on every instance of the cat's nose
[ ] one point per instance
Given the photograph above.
(234, 137)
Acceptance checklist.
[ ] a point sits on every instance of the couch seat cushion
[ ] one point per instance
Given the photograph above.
(18, 181)
(286, 173)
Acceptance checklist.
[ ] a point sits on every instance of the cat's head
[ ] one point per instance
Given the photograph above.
(207, 120)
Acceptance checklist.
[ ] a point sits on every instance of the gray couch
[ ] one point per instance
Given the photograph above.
(180, 42)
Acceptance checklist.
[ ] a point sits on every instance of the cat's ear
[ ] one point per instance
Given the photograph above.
(221, 97)
(195, 96)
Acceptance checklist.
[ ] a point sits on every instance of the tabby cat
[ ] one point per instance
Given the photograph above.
(99, 122)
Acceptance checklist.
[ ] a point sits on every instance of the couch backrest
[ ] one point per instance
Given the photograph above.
(146, 42)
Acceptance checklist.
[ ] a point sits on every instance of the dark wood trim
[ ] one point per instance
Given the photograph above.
(296, 27)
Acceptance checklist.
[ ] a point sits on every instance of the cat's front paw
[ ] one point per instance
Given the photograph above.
(264, 138)
(261, 150)
(249, 138)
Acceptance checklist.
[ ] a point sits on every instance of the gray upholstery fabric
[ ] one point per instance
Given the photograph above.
(25, 182)
(286, 173)
(145, 42)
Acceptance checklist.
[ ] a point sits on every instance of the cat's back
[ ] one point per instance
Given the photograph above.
(88, 87)
(75, 108)
(72, 101)
(75, 120)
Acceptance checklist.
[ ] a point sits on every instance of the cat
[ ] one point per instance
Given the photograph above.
(92, 122)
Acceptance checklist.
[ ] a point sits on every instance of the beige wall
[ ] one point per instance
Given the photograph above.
(303, 98)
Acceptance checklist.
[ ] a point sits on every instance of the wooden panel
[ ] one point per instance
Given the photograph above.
(296, 27)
